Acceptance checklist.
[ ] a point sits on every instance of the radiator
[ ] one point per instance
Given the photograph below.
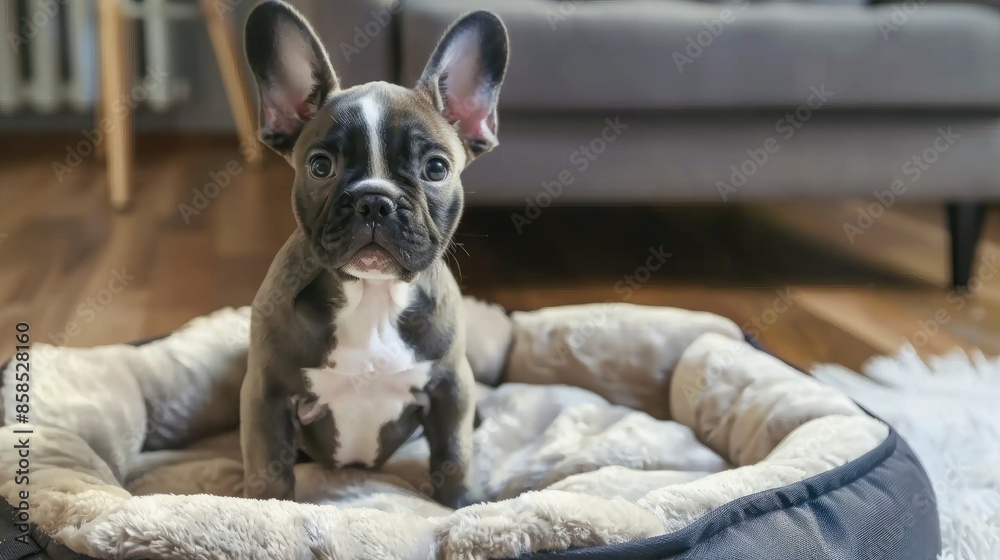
(49, 53)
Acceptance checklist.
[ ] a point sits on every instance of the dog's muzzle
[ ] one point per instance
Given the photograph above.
(373, 252)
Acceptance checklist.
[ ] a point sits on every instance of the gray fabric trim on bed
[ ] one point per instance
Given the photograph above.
(117, 429)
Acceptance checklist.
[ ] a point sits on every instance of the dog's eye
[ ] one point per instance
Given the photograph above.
(436, 170)
(320, 166)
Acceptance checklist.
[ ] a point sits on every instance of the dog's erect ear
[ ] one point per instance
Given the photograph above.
(464, 75)
(293, 72)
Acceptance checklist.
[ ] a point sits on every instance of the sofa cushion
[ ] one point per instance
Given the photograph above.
(663, 54)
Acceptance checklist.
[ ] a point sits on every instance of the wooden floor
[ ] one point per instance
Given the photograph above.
(82, 275)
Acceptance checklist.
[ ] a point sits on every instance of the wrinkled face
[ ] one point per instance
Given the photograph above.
(377, 181)
(377, 166)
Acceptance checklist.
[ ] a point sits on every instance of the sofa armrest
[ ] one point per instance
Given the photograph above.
(360, 36)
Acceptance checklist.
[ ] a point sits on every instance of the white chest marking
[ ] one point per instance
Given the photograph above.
(371, 370)
(372, 114)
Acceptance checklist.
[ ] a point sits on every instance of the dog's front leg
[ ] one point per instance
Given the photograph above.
(448, 427)
(267, 439)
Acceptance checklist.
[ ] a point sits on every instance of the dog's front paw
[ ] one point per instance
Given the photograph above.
(260, 489)
(463, 499)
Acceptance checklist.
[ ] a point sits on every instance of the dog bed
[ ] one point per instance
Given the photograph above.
(606, 431)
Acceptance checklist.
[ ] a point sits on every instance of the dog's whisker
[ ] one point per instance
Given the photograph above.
(450, 252)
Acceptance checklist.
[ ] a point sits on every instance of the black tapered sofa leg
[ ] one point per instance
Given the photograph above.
(965, 223)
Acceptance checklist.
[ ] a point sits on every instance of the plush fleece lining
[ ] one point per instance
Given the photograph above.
(615, 423)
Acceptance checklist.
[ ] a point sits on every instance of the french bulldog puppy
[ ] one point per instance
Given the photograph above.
(357, 338)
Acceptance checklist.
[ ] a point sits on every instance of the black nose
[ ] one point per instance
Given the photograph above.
(374, 206)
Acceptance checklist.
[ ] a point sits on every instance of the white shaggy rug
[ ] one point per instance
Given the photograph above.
(948, 410)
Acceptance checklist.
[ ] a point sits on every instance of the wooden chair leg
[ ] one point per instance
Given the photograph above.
(230, 62)
(965, 224)
(116, 74)
(100, 148)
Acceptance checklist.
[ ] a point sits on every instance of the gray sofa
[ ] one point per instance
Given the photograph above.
(661, 101)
